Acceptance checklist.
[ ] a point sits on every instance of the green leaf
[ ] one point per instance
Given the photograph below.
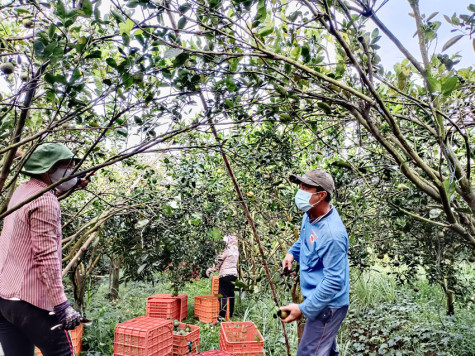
(95, 54)
(111, 62)
(60, 9)
(180, 59)
(49, 78)
(449, 188)
(172, 52)
(263, 32)
(431, 16)
(228, 103)
(184, 8)
(182, 23)
(435, 85)
(49, 49)
(295, 54)
(325, 107)
(261, 11)
(449, 85)
(126, 27)
(51, 31)
(126, 39)
(122, 132)
(280, 89)
(87, 8)
(141, 268)
(39, 48)
(451, 42)
(132, 3)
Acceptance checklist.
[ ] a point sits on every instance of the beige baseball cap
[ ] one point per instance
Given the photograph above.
(315, 178)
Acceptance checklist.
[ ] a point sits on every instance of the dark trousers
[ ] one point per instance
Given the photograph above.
(226, 289)
(22, 326)
(319, 335)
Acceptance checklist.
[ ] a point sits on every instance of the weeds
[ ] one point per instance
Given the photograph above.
(383, 319)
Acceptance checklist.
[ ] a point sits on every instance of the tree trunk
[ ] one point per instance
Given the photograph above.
(79, 283)
(114, 282)
(450, 302)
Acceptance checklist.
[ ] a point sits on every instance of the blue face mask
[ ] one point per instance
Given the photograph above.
(302, 200)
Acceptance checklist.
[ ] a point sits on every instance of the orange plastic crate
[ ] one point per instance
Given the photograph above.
(207, 308)
(76, 338)
(213, 353)
(144, 336)
(163, 308)
(241, 338)
(180, 343)
(214, 285)
(182, 304)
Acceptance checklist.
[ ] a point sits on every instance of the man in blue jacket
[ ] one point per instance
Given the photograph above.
(322, 252)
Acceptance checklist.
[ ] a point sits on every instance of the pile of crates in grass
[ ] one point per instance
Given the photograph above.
(76, 338)
(155, 334)
(160, 332)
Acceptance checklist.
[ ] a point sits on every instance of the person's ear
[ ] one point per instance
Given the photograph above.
(323, 194)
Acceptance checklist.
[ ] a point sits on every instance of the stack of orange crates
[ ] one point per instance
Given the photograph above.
(241, 338)
(180, 342)
(76, 338)
(159, 307)
(207, 308)
(214, 285)
(144, 336)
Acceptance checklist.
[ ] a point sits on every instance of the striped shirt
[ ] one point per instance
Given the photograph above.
(30, 249)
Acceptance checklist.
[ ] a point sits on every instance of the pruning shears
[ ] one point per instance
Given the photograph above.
(84, 321)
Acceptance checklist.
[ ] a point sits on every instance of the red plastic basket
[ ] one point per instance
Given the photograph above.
(180, 342)
(144, 336)
(207, 308)
(214, 285)
(182, 300)
(76, 338)
(241, 338)
(163, 308)
(212, 353)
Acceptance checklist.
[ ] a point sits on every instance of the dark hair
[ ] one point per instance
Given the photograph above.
(328, 197)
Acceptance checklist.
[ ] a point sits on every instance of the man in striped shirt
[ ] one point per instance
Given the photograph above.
(30, 260)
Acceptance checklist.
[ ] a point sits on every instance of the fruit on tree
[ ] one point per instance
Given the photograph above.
(7, 68)
(28, 23)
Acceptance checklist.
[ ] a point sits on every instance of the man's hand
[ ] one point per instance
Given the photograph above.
(208, 272)
(67, 316)
(82, 182)
(294, 312)
(287, 262)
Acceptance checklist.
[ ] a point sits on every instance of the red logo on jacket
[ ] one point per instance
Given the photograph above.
(313, 237)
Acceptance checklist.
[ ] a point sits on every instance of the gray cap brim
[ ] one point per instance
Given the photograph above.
(297, 180)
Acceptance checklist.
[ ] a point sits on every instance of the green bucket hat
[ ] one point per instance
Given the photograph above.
(46, 156)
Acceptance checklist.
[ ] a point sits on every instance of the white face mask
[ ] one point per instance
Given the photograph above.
(302, 200)
(60, 173)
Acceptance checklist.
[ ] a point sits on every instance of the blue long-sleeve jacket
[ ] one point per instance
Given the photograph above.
(322, 251)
